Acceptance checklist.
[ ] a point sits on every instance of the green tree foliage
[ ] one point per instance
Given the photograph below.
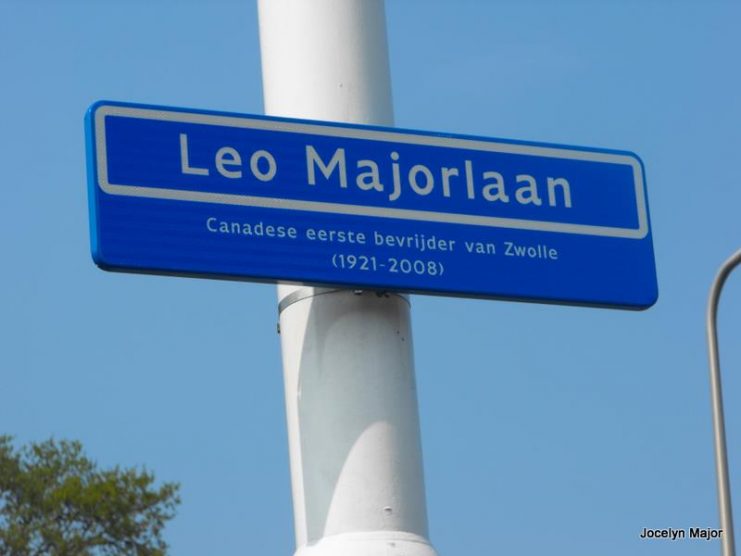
(54, 501)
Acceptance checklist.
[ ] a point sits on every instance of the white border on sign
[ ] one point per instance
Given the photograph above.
(372, 135)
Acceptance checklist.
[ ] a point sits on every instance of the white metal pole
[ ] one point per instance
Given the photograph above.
(351, 402)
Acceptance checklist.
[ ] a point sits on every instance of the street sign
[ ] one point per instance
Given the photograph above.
(200, 193)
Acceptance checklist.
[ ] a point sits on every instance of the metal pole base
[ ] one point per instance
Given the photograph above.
(376, 543)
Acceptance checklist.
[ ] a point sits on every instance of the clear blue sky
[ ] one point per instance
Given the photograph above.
(546, 429)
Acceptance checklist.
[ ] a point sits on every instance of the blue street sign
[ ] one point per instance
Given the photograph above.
(220, 195)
